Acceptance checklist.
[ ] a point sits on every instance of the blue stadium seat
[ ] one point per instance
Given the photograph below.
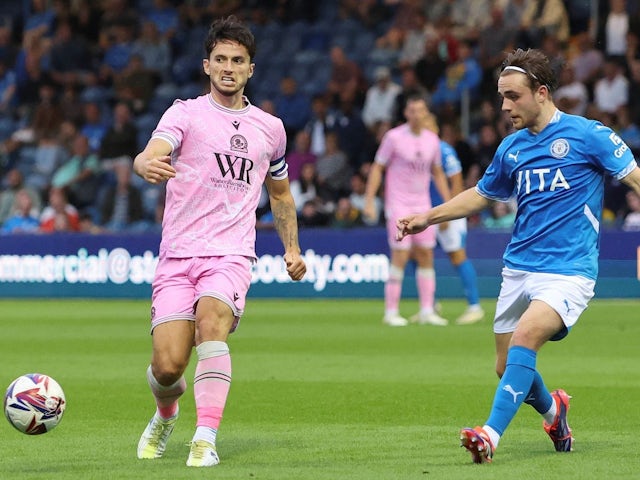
(328, 11)
(267, 47)
(350, 27)
(7, 127)
(145, 124)
(308, 57)
(271, 30)
(364, 43)
(265, 83)
(382, 56)
(343, 41)
(185, 68)
(314, 86)
(316, 38)
(299, 72)
(297, 27)
(291, 42)
(192, 90)
(96, 94)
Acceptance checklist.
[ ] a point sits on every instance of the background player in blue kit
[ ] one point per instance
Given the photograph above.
(452, 236)
(555, 165)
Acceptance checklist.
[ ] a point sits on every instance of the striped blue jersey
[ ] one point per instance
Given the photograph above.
(557, 177)
(450, 164)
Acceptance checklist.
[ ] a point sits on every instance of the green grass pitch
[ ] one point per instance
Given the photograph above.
(321, 390)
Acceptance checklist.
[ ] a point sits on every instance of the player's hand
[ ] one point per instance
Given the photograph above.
(369, 210)
(157, 169)
(296, 267)
(443, 226)
(410, 225)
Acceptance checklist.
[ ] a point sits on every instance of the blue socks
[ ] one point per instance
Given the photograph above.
(539, 397)
(514, 387)
(469, 282)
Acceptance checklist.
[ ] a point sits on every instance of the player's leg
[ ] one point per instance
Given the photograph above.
(452, 240)
(468, 276)
(172, 344)
(223, 284)
(536, 326)
(172, 329)
(426, 286)
(393, 285)
(393, 288)
(569, 297)
(538, 396)
(422, 252)
(214, 320)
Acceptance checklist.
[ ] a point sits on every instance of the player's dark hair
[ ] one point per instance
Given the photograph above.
(415, 97)
(230, 28)
(536, 67)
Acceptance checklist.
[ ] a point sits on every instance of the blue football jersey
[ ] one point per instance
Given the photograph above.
(557, 177)
(450, 164)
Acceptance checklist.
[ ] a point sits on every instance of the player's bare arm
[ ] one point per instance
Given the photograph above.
(456, 184)
(462, 205)
(442, 184)
(633, 180)
(286, 223)
(374, 180)
(440, 181)
(154, 162)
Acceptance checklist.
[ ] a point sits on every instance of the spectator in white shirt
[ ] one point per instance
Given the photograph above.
(380, 99)
(612, 90)
(572, 95)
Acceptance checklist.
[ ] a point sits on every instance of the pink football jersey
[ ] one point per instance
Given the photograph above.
(408, 159)
(221, 157)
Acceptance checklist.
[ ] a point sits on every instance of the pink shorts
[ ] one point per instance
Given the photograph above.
(180, 282)
(426, 239)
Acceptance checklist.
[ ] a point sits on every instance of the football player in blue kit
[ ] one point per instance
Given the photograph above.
(452, 236)
(555, 165)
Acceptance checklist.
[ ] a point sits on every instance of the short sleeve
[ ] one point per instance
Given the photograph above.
(608, 151)
(173, 124)
(385, 150)
(496, 183)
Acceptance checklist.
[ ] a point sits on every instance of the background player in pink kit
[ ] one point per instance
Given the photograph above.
(408, 155)
(215, 152)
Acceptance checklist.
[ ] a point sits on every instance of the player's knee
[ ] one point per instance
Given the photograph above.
(168, 370)
(213, 329)
(457, 257)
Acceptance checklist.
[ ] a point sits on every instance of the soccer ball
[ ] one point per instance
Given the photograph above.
(34, 403)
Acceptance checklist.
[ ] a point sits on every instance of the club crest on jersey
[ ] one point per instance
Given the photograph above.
(560, 148)
(239, 144)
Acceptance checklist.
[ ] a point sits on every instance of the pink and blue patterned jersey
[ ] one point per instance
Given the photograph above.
(408, 158)
(221, 157)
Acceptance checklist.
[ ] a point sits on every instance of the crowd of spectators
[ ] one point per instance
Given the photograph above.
(83, 83)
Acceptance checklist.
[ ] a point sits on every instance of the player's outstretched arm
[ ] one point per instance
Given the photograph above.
(374, 180)
(286, 224)
(462, 205)
(633, 180)
(441, 182)
(154, 163)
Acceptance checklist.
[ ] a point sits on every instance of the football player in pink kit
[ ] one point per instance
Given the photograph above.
(215, 152)
(408, 156)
